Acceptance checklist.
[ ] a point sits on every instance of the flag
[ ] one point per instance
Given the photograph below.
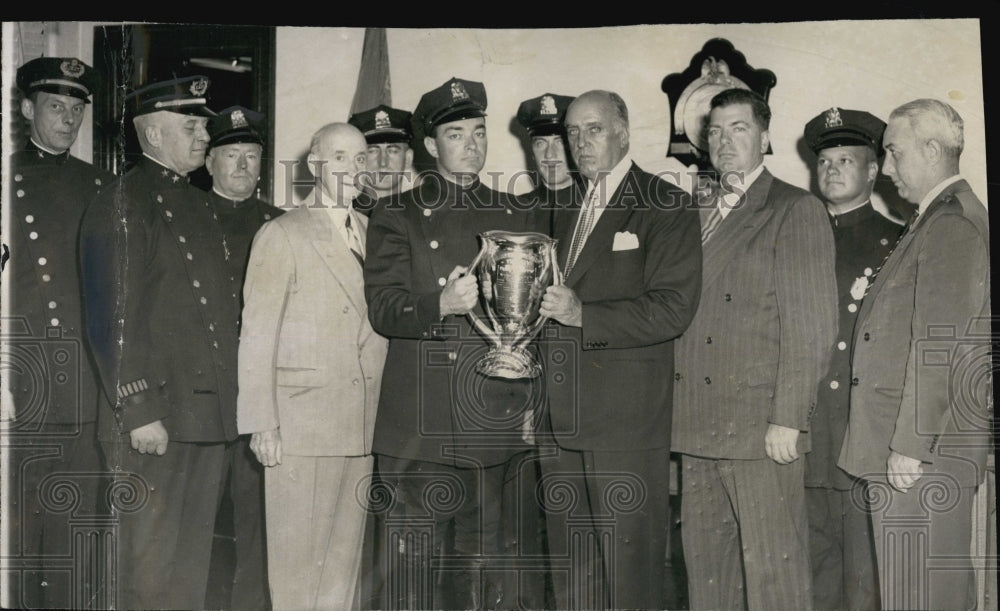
(373, 77)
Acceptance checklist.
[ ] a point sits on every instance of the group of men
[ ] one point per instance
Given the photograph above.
(809, 360)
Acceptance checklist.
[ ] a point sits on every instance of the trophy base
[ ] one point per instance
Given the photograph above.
(508, 362)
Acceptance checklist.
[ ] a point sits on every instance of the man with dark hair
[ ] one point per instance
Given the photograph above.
(919, 428)
(631, 261)
(162, 311)
(53, 440)
(747, 372)
(841, 546)
(446, 435)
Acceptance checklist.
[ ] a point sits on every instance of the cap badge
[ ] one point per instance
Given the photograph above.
(72, 68)
(239, 120)
(548, 106)
(458, 92)
(382, 120)
(199, 87)
(833, 118)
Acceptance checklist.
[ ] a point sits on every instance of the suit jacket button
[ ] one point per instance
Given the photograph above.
(677, 376)
(442, 281)
(854, 382)
(355, 382)
(347, 309)
(708, 340)
(729, 297)
(867, 336)
(708, 380)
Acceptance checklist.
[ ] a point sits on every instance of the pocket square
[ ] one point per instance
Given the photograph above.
(625, 240)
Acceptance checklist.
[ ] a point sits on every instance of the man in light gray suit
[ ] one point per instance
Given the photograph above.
(747, 371)
(920, 406)
(310, 369)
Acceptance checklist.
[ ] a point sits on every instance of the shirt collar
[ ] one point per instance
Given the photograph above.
(729, 200)
(609, 182)
(937, 190)
(163, 165)
(235, 202)
(47, 150)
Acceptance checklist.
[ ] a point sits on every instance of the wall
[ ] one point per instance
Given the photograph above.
(871, 65)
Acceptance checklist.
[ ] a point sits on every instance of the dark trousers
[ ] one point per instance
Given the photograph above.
(246, 490)
(443, 540)
(841, 549)
(745, 534)
(922, 540)
(166, 507)
(58, 519)
(607, 518)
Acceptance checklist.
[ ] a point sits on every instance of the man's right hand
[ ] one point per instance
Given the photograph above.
(266, 446)
(150, 439)
(460, 292)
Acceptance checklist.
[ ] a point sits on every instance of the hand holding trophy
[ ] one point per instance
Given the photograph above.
(514, 269)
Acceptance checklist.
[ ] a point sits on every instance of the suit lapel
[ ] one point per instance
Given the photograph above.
(613, 218)
(737, 229)
(338, 259)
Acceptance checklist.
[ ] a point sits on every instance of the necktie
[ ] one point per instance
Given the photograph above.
(354, 242)
(583, 226)
(906, 228)
(712, 222)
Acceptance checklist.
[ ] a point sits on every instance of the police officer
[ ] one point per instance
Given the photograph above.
(55, 400)
(556, 181)
(162, 315)
(234, 160)
(389, 165)
(847, 145)
(445, 434)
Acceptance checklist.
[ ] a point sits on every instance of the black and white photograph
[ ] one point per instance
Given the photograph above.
(680, 315)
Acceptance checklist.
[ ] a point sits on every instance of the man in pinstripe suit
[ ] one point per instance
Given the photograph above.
(747, 371)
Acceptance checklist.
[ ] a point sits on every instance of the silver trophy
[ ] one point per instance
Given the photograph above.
(514, 269)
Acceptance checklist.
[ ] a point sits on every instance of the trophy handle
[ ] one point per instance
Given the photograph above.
(557, 280)
(476, 322)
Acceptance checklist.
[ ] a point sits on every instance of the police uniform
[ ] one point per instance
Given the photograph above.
(441, 426)
(380, 125)
(239, 222)
(50, 375)
(162, 318)
(543, 116)
(840, 536)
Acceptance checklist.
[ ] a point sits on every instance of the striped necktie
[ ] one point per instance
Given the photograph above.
(354, 242)
(712, 222)
(583, 227)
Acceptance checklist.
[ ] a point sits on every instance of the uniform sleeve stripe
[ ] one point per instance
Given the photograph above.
(132, 388)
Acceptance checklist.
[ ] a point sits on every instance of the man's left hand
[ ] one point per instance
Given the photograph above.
(779, 443)
(903, 471)
(561, 304)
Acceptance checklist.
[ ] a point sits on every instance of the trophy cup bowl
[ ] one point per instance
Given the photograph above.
(516, 268)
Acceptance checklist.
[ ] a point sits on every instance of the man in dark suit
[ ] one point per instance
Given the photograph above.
(747, 373)
(445, 435)
(920, 405)
(234, 160)
(847, 144)
(631, 259)
(49, 376)
(162, 313)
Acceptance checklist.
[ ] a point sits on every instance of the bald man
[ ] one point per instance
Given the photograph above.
(310, 367)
